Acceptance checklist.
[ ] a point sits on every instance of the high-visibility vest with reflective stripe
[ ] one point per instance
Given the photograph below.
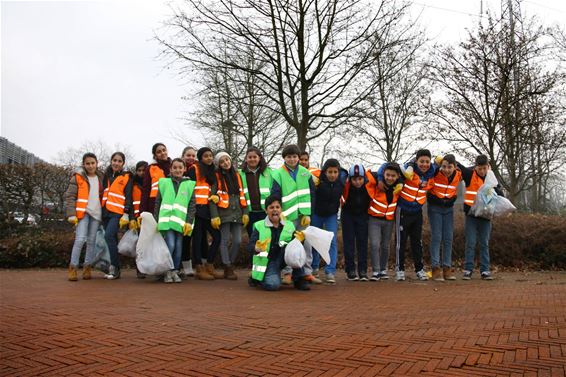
(412, 190)
(174, 206)
(444, 189)
(260, 260)
(346, 190)
(202, 188)
(295, 194)
(315, 172)
(114, 197)
(472, 190)
(224, 196)
(136, 199)
(82, 196)
(379, 206)
(156, 173)
(265, 183)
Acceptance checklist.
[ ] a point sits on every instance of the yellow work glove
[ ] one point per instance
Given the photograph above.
(316, 180)
(300, 236)
(305, 221)
(398, 188)
(124, 220)
(215, 222)
(73, 220)
(214, 199)
(262, 245)
(245, 220)
(139, 222)
(408, 173)
(133, 225)
(187, 229)
(438, 160)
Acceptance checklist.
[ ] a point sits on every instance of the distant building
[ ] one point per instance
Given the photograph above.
(10, 153)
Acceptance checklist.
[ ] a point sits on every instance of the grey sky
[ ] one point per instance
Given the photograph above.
(78, 70)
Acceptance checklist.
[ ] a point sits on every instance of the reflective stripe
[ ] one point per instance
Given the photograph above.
(263, 254)
(472, 192)
(82, 200)
(177, 220)
(202, 188)
(154, 184)
(444, 186)
(291, 210)
(410, 187)
(304, 205)
(80, 209)
(201, 196)
(134, 203)
(262, 190)
(259, 268)
(116, 195)
(114, 204)
(166, 206)
(180, 207)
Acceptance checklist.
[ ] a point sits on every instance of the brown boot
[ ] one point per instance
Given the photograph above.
(229, 273)
(448, 273)
(210, 269)
(87, 272)
(72, 273)
(202, 274)
(437, 274)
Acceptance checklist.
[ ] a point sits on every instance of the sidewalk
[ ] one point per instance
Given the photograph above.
(515, 325)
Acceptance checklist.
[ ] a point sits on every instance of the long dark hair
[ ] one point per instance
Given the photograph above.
(109, 173)
(262, 163)
(207, 171)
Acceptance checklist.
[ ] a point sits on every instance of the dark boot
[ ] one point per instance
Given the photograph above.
(229, 273)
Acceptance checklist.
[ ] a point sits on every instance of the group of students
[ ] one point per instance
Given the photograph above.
(202, 194)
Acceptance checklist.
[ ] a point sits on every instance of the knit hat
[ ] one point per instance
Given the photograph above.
(202, 151)
(423, 152)
(357, 170)
(218, 156)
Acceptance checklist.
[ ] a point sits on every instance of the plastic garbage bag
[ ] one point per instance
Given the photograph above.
(320, 240)
(127, 245)
(295, 256)
(101, 260)
(487, 203)
(152, 254)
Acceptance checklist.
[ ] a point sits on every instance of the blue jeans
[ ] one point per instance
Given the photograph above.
(272, 278)
(329, 223)
(85, 232)
(477, 231)
(174, 241)
(111, 224)
(441, 231)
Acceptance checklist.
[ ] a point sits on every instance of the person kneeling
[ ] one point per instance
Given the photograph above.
(267, 244)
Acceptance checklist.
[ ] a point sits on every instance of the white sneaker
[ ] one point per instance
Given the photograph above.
(175, 276)
(383, 275)
(421, 275)
(374, 276)
(400, 276)
(168, 277)
(188, 267)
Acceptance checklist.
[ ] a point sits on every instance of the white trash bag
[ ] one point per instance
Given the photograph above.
(127, 245)
(487, 203)
(295, 256)
(320, 240)
(153, 257)
(101, 260)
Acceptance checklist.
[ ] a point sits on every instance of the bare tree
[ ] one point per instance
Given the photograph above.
(391, 115)
(72, 157)
(503, 96)
(311, 53)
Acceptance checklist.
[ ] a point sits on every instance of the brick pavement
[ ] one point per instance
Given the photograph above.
(513, 326)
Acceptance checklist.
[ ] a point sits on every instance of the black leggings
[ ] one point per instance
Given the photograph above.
(200, 241)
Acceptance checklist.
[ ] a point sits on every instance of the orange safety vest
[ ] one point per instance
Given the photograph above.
(202, 188)
(472, 189)
(442, 188)
(156, 173)
(412, 190)
(315, 172)
(136, 199)
(114, 197)
(379, 206)
(82, 196)
(224, 201)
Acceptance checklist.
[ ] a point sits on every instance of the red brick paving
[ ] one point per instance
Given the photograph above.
(513, 326)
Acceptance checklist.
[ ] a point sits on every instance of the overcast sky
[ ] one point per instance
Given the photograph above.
(78, 70)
